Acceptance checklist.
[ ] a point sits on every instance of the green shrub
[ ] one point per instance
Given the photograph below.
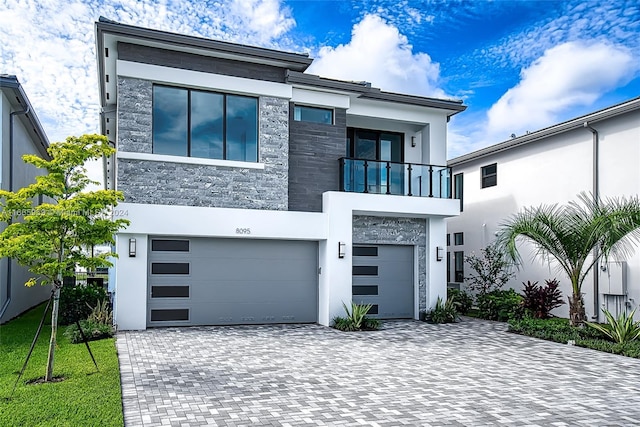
(538, 301)
(92, 330)
(356, 319)
(461, 299)
(443, 312)
(500, 305)
(77, 302)
(97, 326)
(102, 313)
(620, 330)
(554, 329)
(370, 324)
(560, 330)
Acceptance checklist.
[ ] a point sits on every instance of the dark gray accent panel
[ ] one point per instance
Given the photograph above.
(170, 315)
(242, 281)
(206, 64)
(167, 183)
(169, 245)
(369, 230)
(170, 291)
(394, 297)
(314, 150)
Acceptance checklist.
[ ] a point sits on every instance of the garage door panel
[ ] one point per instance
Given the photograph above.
(240, 281)
(393, 283)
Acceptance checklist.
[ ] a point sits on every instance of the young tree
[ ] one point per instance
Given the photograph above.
(49, 238)
(577, 236)
(492, 270)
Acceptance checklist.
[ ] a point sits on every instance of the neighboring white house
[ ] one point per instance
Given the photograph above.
(597, 153)
(21, 133)
(258, 193)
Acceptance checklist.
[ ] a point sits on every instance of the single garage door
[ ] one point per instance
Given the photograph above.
(383, 276)
(199, 281)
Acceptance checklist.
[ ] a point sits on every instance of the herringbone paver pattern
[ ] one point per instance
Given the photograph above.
(410, 373)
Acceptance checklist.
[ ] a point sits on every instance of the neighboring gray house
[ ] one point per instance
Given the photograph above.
(21, 134)
(258, 193)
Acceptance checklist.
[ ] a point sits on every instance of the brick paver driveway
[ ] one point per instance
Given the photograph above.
(472, 373)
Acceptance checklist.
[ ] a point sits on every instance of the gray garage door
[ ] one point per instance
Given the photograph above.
(383, 276)
(198, 281)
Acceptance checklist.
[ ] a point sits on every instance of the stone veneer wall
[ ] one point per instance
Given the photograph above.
(396, 231)
(170, 183)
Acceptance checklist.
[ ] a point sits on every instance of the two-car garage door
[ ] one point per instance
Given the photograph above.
(200, 281)
(206, 281)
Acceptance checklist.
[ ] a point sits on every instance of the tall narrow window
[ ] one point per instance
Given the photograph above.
(448, 266)
(458, 261)
(489, 175)
(170, 121)
(242, 128)
(458, 187)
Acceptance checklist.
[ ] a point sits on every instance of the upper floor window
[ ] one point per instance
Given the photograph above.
(312, 114)
(458, 239)
(211, 125)
(489, 175)
(458, 186)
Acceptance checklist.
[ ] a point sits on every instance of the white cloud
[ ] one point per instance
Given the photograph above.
(565, 76)
(265, 19)
(380, 54)
(49, 45)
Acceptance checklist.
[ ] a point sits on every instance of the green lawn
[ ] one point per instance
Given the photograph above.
(84, 398)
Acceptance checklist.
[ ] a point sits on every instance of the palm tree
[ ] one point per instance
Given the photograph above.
(577, 236)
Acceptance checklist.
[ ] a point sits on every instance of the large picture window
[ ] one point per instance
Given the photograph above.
(203, 124)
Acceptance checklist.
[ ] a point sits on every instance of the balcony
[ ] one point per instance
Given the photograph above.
(400, 179)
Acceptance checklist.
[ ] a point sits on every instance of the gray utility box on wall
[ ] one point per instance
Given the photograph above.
(613, 278)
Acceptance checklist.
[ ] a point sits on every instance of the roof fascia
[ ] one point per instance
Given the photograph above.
(576, 123)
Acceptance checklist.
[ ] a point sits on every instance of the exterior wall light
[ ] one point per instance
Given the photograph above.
(439, 253)
(413, 141)
(341, 249)
(132, 247)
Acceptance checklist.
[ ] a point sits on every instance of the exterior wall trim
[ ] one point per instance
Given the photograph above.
(188, 160)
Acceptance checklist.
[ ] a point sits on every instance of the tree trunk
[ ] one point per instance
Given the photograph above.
(577, 314)
(54, 331)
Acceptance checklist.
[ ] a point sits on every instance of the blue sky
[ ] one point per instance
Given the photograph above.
(518, 65)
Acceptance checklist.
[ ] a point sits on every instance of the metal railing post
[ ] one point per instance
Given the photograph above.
(409, 170)
(430, 181)
(366, 176)
(388, 178)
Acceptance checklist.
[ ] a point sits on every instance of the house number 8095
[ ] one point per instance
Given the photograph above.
(243, 231)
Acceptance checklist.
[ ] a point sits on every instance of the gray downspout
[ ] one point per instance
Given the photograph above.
(5, 306)
(596, 197)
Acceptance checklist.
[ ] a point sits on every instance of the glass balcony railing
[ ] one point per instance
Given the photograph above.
(401, 179)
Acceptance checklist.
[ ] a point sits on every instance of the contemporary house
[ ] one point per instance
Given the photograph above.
(258, 193)
(21, 133)
(598, 153)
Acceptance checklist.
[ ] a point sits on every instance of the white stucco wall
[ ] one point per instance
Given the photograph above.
(548, 171)
(333, 225)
